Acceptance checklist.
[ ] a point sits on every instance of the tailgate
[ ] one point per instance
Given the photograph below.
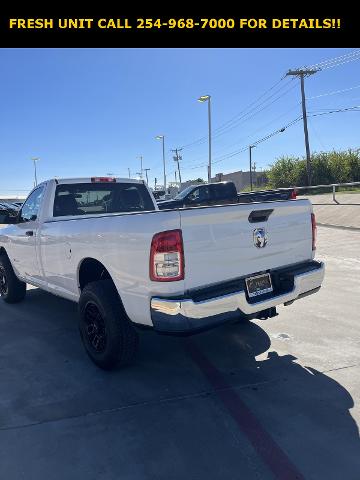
(220, 242)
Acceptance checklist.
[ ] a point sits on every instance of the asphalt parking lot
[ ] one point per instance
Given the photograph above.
(274, 399)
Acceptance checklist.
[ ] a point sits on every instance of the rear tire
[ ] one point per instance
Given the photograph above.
(107, 334)
(12, 290)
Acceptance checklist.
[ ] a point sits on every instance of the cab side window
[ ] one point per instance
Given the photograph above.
(30, 209)
(200, 194)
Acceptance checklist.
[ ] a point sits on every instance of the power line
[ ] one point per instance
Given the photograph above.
(356, 108)
(222, 126)
(293, 122)
(334, 92)
(244, 119)
(248, 136)
(311, 124)
(257, 142)
(337, 61)
(246, 116)
(280, 130)
(246, 110)
(264, 126)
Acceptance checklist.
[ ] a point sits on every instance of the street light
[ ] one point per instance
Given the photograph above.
(162, 137)
(35, 159)
(202, 99)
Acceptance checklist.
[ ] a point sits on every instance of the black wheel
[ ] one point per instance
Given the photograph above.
(12, 290)
(107, 334)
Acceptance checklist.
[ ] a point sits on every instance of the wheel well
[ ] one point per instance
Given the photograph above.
(92, 270)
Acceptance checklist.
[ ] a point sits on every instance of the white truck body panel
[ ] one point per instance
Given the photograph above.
(219, 243)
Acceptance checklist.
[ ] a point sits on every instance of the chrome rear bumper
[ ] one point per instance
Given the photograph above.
(186, 314)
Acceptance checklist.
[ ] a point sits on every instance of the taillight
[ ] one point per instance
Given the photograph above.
(167, 257)
(313, 229)
(293, 195)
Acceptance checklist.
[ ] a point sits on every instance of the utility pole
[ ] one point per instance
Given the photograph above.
(250, 166)
(175, 177)
(129, 173)
(177, 157)
(302, 73)
(146, 174)
(162, 138)
(155, 183)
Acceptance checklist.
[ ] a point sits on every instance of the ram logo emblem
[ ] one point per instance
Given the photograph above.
(260, 237)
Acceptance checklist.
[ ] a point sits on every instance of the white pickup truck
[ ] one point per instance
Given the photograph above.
(103, 243)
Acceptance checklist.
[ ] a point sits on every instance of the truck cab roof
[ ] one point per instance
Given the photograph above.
(103, 179)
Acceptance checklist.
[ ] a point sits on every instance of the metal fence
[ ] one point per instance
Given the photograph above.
(332, 187)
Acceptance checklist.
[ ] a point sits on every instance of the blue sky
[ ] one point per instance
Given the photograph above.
(92, 111)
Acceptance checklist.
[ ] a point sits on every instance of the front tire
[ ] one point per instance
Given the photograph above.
(12, 290)
(107, 334)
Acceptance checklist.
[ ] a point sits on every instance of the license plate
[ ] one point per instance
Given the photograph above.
(259, 285)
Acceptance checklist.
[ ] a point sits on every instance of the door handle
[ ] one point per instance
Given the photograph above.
(29, 233)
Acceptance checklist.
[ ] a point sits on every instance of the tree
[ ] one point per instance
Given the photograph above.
(326, 167)
(197, 180)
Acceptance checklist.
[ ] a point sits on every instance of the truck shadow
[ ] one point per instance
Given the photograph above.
(305, 410)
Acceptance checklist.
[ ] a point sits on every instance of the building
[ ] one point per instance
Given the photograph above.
(241, 179)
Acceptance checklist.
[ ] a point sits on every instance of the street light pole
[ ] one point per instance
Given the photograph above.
(35, 159)
(202, 99)
(162, 138)
(209, 118)
(129, 173)
(146, 174)
(141, 167)
(250, 166)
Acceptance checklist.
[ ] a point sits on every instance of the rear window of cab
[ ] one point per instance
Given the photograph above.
(100, 198)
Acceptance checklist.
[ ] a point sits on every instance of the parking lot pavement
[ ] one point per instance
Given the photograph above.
(341, 198)
(271, 399)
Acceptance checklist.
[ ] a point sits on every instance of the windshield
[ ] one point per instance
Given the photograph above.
(182, 195)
